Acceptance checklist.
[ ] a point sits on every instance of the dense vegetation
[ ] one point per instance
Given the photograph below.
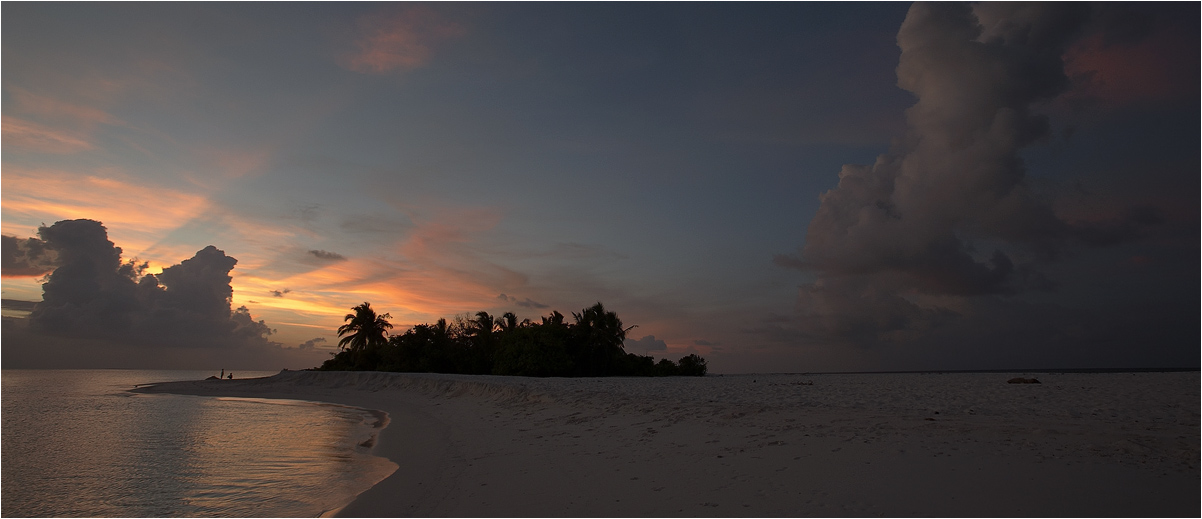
(590, 346)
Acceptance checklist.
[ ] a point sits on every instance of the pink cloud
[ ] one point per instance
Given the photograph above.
(50, 125)
(27, 135)
(444, 267)
(136, 214)
(1120, 75)
(45, 107)
(402, 40)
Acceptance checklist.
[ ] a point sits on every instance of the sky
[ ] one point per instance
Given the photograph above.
(778, 187)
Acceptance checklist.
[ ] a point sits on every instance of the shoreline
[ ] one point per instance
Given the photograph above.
(1098, 444)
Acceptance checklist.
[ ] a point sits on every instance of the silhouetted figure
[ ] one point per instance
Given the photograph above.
(222, 373)
(231, 377)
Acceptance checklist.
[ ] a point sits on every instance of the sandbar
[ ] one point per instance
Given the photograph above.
(910, 444)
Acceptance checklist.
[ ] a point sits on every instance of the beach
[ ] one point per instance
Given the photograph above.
(955, 444)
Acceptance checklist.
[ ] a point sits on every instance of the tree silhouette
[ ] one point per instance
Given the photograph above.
(484, 324)
(364, 332)
(599, 336)
(555, 319)
(692, 365)
(589, 346)
(509, 323)
(535, 351)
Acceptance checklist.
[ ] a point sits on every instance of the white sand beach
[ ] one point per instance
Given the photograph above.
(1077, 444)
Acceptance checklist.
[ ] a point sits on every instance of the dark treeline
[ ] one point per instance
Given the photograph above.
(589, 346)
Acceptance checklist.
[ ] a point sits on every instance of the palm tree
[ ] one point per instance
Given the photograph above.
(603, 326)
(364, 330)
(601, 335)
(483, 342)
(508, 323)
(555, 319)
(484, 324)
(441, 329)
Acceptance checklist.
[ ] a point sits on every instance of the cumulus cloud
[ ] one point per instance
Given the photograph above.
(327, 255)
(526, 303)
(949, 211)
(93, 302)
(645, 346)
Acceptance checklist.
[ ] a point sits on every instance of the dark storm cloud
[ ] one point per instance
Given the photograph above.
(93, 293)
(199, 285)
(25, 257)
(958, 171)
(912, 216)
(94, 301)
(327, 256)
(90, 289)
(949, 211)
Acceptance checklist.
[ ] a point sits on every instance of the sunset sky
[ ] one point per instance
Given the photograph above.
(1026, 195)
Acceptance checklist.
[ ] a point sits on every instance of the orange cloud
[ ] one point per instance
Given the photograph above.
(449, 256)
(35, 137)
(319, 299)
(332, 290)
(241, 163)
(136, 215)
(23, 101)
(439, 270)
(399, 41)
(61, 127)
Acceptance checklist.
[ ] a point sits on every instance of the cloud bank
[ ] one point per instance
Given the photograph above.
(106, 312)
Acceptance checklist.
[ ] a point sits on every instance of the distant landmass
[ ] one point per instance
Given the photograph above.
(18, 305)
(16, 308)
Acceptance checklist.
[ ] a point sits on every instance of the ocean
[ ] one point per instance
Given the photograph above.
(78, 443)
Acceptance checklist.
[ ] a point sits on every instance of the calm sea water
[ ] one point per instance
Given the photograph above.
(77, 443)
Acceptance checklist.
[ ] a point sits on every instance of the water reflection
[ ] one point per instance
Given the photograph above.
(277, 437)
(76, 444)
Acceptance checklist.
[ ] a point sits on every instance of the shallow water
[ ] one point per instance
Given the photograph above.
(77, 443)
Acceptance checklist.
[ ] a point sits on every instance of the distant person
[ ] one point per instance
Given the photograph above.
(231, 375)
(222, 373)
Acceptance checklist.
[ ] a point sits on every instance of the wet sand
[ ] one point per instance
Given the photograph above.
(968, 444)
